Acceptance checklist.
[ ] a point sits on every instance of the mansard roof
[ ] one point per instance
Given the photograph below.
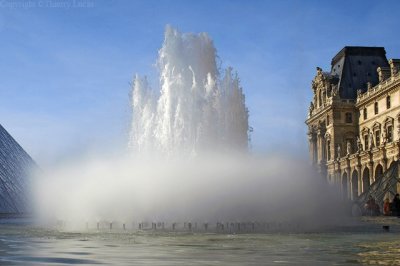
(355, 66)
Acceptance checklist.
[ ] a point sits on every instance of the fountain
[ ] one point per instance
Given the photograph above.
(188, 162)
(196, 110)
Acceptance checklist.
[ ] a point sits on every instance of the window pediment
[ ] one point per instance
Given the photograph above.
(389, 121)
(365, 131)
(376, 126)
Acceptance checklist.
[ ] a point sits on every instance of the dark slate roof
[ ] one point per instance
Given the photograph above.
(355, 66)
(15, 166)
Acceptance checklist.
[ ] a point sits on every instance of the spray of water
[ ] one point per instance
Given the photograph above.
(196, 110)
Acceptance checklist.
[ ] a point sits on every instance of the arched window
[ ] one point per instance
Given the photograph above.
(376, 108)
(319, 99)
(388, 102)
(354, 184)
(344, 185)
(365, 180)
(378, 172)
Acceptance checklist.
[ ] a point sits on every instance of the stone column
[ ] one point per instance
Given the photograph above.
(322, 168)
(371, 173)
(312, 146)
(384, 165)
(338, 177)
(359, 179)
(349, 187)
(319, 146)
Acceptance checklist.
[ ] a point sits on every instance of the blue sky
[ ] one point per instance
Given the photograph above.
(65, 69)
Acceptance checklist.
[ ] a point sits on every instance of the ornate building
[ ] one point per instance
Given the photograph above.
(354, 118)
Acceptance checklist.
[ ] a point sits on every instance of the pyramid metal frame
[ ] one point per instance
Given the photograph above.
(382, 186)
(15, 166)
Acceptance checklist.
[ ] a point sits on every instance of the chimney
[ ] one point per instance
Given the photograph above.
(394, 66)
(383, 73)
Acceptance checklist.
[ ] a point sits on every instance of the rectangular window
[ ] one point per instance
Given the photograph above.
(366, 146)
(349, 118)
(390, 133)
(365, 113)
(376, 108)
(378, 138)
(328, 150)
(388, 102)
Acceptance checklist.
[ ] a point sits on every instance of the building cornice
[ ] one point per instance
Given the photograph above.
(383, 87)
(379, 116)
(366, 155)
(318, 113)
(321, 111)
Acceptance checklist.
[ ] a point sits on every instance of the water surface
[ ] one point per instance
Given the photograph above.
(29, 245)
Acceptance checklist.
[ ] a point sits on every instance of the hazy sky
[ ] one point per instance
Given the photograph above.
(65, 66)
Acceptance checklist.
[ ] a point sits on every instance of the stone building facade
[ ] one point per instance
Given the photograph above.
(354, 118)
